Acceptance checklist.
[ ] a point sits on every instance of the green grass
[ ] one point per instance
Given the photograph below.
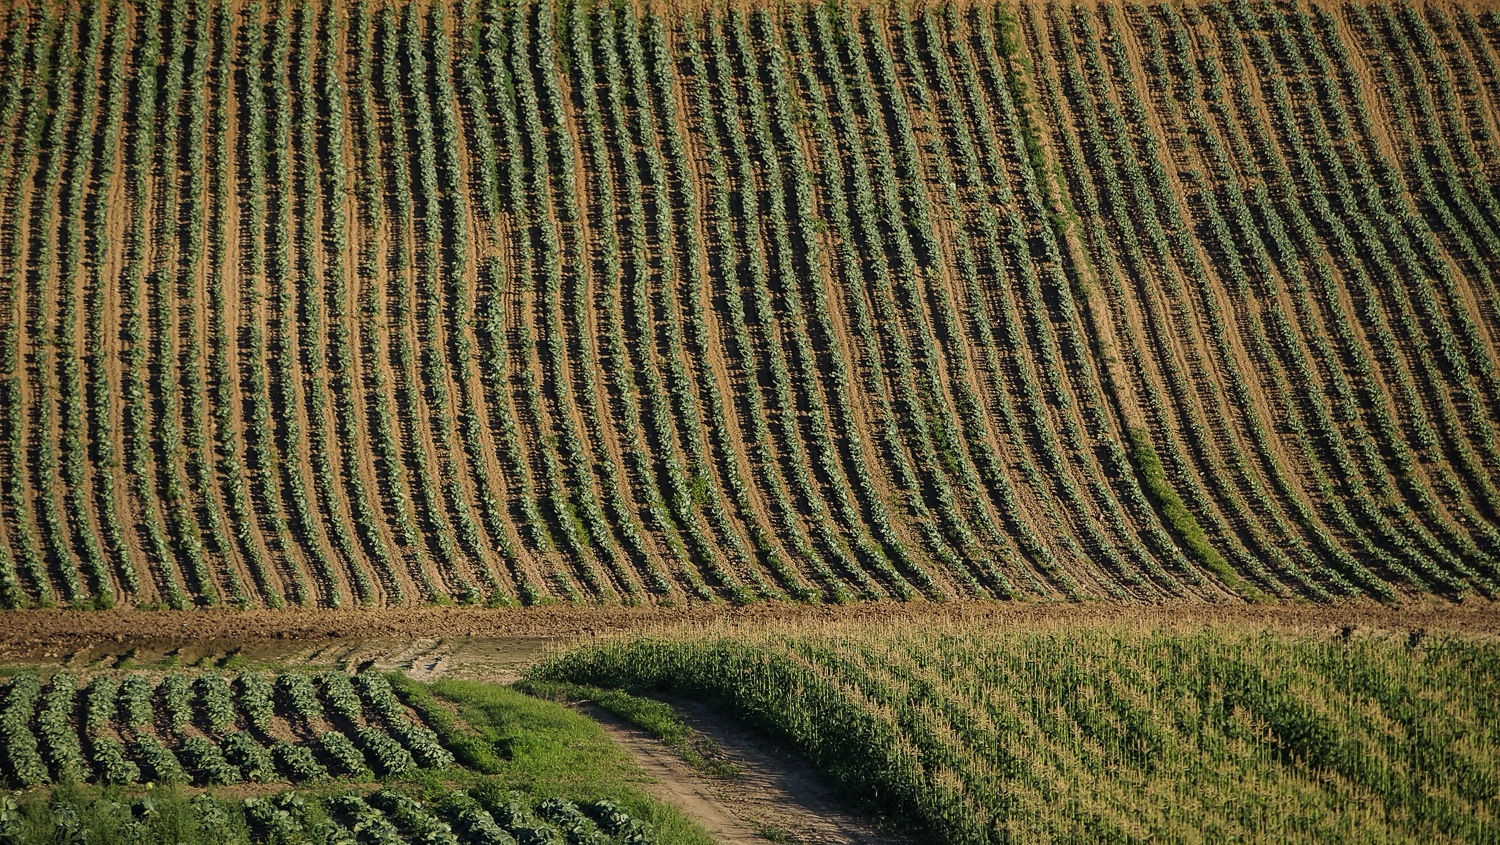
(1183, 523)
(547, 749)
(774, 834)
(473, 749)
(648, 714)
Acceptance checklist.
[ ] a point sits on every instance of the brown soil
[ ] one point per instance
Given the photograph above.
(771, 794)
(52, 633)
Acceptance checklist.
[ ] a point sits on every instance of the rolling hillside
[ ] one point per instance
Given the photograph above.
(336, 304)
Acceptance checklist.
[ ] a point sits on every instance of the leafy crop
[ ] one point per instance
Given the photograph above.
(209, 730)
(820, 302)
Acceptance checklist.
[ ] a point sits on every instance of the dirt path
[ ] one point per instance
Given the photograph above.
(774, 797)
(24, 632)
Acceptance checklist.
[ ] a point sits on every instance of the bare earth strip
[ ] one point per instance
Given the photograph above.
(62, 630)
(770, 792)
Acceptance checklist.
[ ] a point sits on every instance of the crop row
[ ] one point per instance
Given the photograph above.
(209, 729)
(501, 302)
(966, 734)
(486, 816)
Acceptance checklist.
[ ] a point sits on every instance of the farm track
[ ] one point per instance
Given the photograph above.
(493, 303)
(379, 633)
(770, 790)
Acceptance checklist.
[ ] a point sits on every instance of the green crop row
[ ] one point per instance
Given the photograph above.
(209, 729)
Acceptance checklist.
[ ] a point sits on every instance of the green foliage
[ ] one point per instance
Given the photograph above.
(159, 817)
(346, 758)
(207, 763)
(252, 758)
(824, 302)
(216, 701)
(23, 760)
(158, 763)
(555, 777)
(654, 717)
(975, 733)
(1179, 518)
(189, 729)
(256, 700)
(297, 762)
(471, 749)
(112, 764)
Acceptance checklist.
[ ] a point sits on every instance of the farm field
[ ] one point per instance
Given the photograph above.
(971, 734)
(843, 423)
(388, 304)
(925, 730)
(191, 754)
(385, 817)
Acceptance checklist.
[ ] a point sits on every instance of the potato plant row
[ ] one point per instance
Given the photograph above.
(487, 816)
(505, 302)
(1286, 259)
(209, 729)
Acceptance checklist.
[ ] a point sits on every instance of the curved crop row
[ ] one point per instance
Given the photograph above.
(501, 301)
(209, 729)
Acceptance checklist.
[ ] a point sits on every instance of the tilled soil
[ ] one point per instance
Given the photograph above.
(41, 633)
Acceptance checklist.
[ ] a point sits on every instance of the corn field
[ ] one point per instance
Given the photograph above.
(976, 735)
